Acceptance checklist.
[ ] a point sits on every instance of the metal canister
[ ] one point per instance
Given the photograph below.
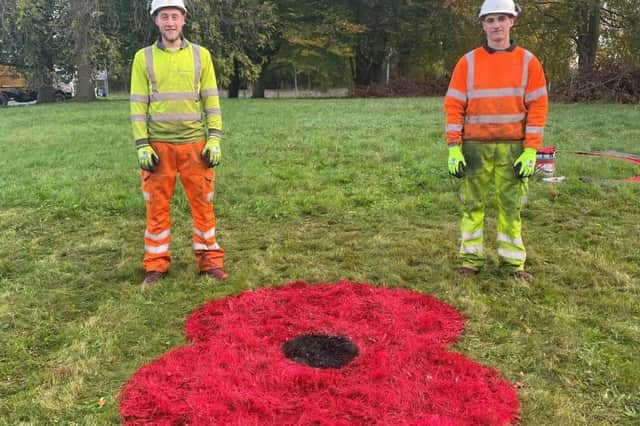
(546, 161)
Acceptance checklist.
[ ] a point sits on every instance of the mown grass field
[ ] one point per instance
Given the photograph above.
(317, 190)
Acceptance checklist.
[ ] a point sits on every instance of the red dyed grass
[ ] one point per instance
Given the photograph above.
(234, 372)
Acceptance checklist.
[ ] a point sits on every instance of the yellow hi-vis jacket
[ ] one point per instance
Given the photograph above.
(170, 91)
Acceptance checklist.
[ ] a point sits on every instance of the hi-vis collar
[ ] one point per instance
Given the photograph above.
(159, 44)
(512, 45)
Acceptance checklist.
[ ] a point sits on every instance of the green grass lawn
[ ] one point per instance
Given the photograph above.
(317, 190)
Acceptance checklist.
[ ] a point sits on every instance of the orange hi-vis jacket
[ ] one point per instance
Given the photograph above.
(497, 96)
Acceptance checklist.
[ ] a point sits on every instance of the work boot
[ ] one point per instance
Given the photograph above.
(216, 273)
(467, 272)
(523, 275)
(152, 279)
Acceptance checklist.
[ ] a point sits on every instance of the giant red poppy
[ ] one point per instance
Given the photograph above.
(323, 354)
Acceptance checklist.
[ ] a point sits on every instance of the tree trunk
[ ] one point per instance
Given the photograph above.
(257, 91)
(46, 94)
(404, 65)
(259, 85)
(588, 34)
(368, 66)
(234, 84)
(83, 12)
(367, 71)
(84, 91)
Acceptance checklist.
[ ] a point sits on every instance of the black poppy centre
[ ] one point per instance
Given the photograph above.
(320, 350)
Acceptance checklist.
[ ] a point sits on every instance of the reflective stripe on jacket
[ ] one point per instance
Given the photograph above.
(170, 92)
(497, 95)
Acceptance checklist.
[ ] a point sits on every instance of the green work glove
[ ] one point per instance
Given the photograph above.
(525, 165)
(147, 158)
(211, 153)
(456, 161)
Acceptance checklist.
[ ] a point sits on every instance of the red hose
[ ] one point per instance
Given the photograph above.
(629, 158)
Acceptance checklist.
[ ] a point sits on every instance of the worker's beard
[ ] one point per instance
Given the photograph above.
(171, 39)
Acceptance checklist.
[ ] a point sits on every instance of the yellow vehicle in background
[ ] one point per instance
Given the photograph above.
(14, 87)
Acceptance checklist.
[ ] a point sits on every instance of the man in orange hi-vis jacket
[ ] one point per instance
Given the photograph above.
(496, 109)
(173, 85)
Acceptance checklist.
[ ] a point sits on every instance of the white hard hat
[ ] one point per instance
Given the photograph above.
(159, 4)
(508, 7)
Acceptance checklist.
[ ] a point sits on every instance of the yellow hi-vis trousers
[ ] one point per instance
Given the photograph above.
(491, 164)
(157, 187)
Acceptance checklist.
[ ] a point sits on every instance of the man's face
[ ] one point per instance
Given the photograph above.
(170, 21)
(497, 26)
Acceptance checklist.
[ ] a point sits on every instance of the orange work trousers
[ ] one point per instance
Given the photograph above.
(157, 187)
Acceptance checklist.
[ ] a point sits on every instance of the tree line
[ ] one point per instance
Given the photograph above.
(320, 43)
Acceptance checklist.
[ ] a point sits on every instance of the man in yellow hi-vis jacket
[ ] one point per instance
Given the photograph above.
(173, 86)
